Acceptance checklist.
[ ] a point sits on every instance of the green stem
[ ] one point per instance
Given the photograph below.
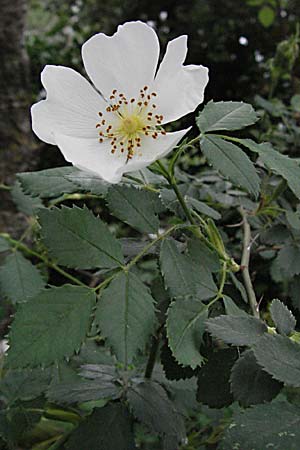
(4, 187)
(30, 252)
(182, 202)
(150, 245)
(75, 196)
(221, 287)
(245, 264)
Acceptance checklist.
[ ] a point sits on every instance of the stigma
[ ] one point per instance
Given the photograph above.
(129, 121)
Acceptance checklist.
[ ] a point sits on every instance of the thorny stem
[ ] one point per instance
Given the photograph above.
(30, 252)
(245, 264)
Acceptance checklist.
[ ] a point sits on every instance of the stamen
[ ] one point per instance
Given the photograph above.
(129, 126)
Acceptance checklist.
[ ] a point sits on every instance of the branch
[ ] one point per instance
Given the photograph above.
(245, 264)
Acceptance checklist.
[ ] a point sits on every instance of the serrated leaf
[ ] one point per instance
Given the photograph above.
(126, 317)
(273, 426)
(24, 385)
(4, 245)
(282, 317)
(182, 276)
(250, 384)
(136, 207)
(19, 279)
(231, 308)
(48, 183)
(25, 202)
(185, 328)
(76, 238)
(266, 16)
(240, 287)
(86, 388)
(151, 405)
(88, 182)
(280, 357)
(106, 428)
(232, 162)
(295, 292)
(213, 379)
(202, 208)
(50, 327)
(226, 116)
(236, 330)
(172, 369)
(203, 255)
(284, 166)
(288, 260)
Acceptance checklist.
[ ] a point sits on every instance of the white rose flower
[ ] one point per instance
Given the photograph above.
(117, 126)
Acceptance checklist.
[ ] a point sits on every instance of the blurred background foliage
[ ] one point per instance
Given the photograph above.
(234, 38)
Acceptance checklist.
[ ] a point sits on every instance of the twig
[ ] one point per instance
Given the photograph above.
(245, 264)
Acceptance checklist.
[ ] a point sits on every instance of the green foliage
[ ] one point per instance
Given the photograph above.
(275, 425)
(50, 327)
(218, 116)
(105, 428)
(287, 167)
(76, 238)
(182, 276)
(213, 379)
(232, 162)
(185, 328)
(19, 279)
(25, 203)
(283, 319)
(48, 183)
(279, 356)
(136, 207)
(266, 16)
(125, 315)
(250, 384)
(236, 330)
(99, 383)
(150, 405)
(4, 245)
(121, 359)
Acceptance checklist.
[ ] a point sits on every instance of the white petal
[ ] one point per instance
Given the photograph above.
(153, 149)
(126, 61)
(180, 89)
(71, 107)
(89, 154)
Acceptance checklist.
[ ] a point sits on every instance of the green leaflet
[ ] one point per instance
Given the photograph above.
(182, 275)
(125, 315)
(76, 238)
(136, 207)
(226, 116)
(50, 327)
(232, 162)
(19, 279)
(185, 328)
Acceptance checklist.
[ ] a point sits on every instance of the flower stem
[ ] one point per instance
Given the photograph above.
(30, 252)
(245, 264)
(182, 201)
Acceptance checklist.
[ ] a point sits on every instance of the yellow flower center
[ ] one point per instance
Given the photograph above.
(132, 120)
(131, 125)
